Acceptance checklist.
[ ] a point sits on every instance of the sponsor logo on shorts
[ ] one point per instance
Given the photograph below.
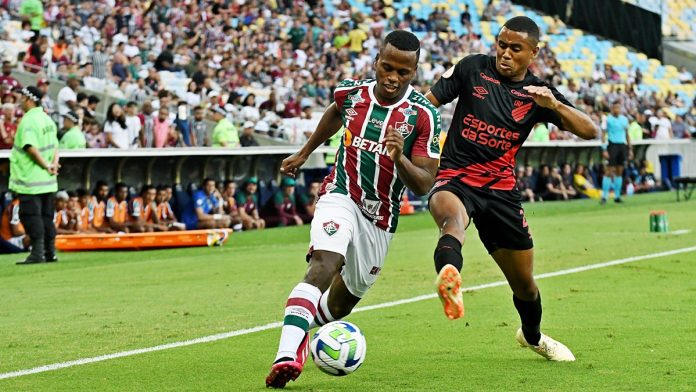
(375, 270)
(331, 227)
(371, 209)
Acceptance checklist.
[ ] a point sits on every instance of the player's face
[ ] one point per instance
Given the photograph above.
(210, 187)
(150, 195)
(394, 70)
(514, 53)
(122, 193)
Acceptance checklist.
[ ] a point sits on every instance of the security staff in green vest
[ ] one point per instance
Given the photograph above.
(334, 141)
(72, 135)
(33, 175)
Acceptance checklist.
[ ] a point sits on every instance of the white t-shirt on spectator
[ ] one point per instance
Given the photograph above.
(250, 113)
(119, 134)
(133, 125)
(64, 95)
(130, 51)
(118, 38)
(663, 126)
(300, 58)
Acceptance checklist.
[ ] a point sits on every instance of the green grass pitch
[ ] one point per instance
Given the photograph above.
(631, 326)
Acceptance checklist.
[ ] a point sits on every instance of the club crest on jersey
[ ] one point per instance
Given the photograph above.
(404, 128)
(331, 227)
(356, 98)
(519, 112)
(408, 111)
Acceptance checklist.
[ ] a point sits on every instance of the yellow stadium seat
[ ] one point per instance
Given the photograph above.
(389, 11)
(416, 6)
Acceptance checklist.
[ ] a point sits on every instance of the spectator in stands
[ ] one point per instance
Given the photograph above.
(248, 204)
(635, 129)
(7, 82)
(524, 187)
(200, 134)
(247, 138)
(115, 128)
(93, 134)
(46, 102)
(284, 202)
(100, 61)
(583, 183)
(551, 184)
(663, 127)
(91, 109)
(685, 76)
(225, 133)
(72, 137)
(567, 179)
(540, 133)
(679, 129)
(205, 210)
(8, 126)
(67, 96)
(34, 62)
(11, 228)
(182, 124)
(133, 124)
(162, 128)
(64, 220)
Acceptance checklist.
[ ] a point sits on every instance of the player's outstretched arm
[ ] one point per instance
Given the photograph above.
(574, 120)
(419, 174)
(329, 124)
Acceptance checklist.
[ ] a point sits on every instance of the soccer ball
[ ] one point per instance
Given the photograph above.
(338, 348)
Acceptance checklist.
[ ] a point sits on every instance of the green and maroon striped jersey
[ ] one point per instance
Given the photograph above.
(363, 168)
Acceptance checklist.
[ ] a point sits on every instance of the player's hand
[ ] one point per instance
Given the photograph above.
(543, 96)
(298, 220)
(290, 164)
(395, 143)
(605, 155)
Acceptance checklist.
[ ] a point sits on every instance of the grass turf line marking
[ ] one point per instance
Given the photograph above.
(239, 332)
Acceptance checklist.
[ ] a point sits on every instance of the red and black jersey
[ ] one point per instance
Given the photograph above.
(493, 117)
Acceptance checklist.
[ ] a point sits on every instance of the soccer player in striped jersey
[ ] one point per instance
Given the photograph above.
(500, 100)
(391, 141)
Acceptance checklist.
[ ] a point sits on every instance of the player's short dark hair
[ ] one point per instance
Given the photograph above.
(81, 192)
(206, 180)
(403, 40)
(120, 185)
(523, 24)
(146, 188)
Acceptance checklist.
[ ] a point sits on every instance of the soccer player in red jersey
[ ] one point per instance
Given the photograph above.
(391, 141)
(499, 103)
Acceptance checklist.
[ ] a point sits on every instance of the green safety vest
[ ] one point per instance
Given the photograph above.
(334, 141)
(226, 132)
(73, 139)
(26, 176)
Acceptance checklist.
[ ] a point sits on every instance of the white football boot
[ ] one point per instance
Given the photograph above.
(547, 348)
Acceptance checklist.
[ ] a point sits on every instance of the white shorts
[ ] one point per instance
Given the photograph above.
(338, 226)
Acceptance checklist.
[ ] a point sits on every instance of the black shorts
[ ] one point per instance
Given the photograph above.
(498, 215)
(618, 154)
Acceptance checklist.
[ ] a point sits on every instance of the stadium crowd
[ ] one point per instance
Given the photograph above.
(192, 73)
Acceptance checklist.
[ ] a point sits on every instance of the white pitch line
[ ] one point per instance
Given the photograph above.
(239, 332)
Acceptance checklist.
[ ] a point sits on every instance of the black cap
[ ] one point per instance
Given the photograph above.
(32, 93)
(71, 116)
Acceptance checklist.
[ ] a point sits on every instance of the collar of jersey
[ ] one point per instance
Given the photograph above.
(371, 88)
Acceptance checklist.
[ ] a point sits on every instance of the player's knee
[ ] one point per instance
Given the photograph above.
(322, 268)
(527, 291)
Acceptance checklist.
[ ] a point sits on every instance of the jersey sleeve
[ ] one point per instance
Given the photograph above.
(547, 115)
(428, 128)
(136, 208)
(199, 200)
(451, 83)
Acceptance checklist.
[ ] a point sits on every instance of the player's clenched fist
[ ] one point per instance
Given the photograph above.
(395, 143)
(543, 96)
(290, 164)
